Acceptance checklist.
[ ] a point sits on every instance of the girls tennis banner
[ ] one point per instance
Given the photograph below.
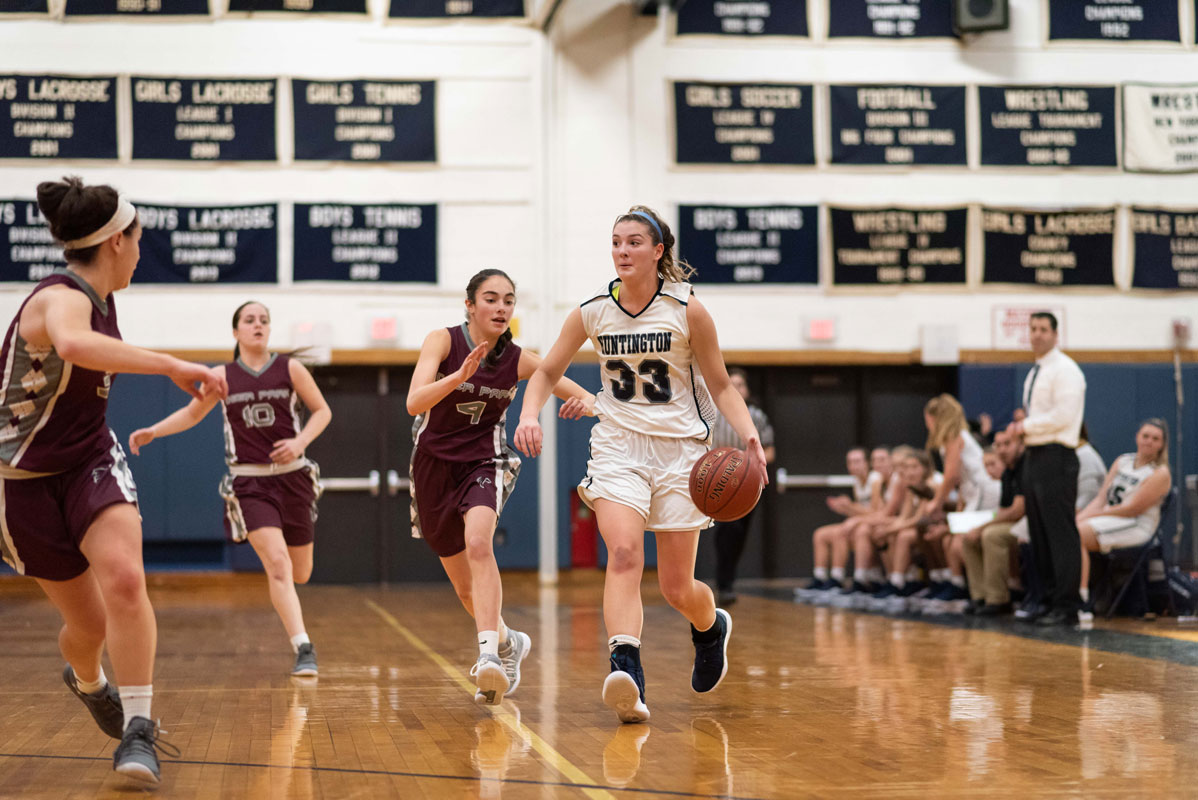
(740, 123)
(1048, 126)
(29, 252)
(204, 119)
(454, 9)
(1164, 249)
(898, 125)
(57, 116)
(208, 244)
(299, 7)
(137, 9)
(741, 244)
(895, 246)
(373, 121)
(372, 243)
(1115, 20)
(1160, 128)
(743, 17)
(1064, 248)
(890, 19)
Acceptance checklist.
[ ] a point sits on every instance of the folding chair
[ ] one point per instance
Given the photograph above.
(1158, 537)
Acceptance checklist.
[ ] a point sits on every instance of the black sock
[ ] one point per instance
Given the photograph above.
(709, 635)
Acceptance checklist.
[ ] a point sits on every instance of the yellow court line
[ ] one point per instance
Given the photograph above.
(555, 759)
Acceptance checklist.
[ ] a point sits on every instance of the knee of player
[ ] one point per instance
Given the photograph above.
(479, 546)
(124, 586)
(676, 592)
(625, 558)
(278, 567)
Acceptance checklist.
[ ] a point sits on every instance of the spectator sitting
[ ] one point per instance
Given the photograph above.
(987, 548)
(903, 531)
(867, 574)
(1090, 470)
(830, 543)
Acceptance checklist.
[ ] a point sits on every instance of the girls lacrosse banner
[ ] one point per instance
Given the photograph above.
(1061, 248)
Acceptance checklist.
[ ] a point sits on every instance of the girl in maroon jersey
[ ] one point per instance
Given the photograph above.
(68, 506)
(462, 468)
(271, 490)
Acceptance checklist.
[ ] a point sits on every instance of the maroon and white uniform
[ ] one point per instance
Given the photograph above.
(261, 409)
(60, 464)
(462, 458)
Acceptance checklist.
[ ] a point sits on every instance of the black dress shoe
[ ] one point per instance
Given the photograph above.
(994, 610)
(1057, 617)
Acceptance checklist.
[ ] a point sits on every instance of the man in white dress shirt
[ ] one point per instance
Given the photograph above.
(1054, 395)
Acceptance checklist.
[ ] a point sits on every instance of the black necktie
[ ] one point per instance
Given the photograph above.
(1027, 401)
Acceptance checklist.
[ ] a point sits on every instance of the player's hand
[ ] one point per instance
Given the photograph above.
(139, 439)
(757, 460)
(1015, 429)
(929, 508)
(470, 365)
(574, 408)
(528, 437)
(286, 451)
(186, 375)
(838, 503)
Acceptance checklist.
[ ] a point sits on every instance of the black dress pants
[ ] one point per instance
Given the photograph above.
(730, 538)
(1050, 492)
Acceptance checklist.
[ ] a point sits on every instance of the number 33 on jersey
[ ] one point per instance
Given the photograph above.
(650, 383)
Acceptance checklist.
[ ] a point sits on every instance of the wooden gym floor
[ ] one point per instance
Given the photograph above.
(819, 702)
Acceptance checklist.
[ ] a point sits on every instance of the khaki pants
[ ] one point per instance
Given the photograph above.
(987, 562)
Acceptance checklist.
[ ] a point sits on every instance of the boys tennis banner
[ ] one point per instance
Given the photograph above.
(1048, 126)
(1115, 20)
(1064, 248)
(896, 246)
(1165, 249)
(204, 119)
(741, 244)
(208, 244)
(898, 125)
(374, 121)
(29, 252)
(57, 116)
(890, 19)
(1160, 128)
(371, 243)
(740, 123)
(743, 17)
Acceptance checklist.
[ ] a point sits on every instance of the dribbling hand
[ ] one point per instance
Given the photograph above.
(528, 438)
(139, 439)
(757, 460)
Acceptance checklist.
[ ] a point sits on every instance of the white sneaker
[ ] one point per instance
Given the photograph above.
(518, 645)
(491, 679)
(621, 694)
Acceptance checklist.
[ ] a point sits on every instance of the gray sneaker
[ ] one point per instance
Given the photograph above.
(491, 678)
(518, 645)
(105, 706)
(305, 661)
(135, 756)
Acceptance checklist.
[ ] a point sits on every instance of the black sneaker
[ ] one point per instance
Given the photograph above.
(711, 656)
(305, 661)
(624, 687)
(857, 587)
(105, 706)
(135, 754)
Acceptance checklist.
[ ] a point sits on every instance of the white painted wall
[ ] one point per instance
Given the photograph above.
(543, 140)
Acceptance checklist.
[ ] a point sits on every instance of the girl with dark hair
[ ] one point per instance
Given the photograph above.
(462, 469)
(653, 338)
(271, 490)
(68, 508)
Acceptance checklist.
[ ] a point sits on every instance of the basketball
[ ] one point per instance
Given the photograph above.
(721, 485)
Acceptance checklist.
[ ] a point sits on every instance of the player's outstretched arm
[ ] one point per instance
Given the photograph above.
(540, 385)
(185, 418)
(579, 402)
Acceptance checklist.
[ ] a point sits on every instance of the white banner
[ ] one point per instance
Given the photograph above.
(1160, 127)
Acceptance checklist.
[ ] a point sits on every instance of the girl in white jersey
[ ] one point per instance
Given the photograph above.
(1127, 510)
(654, 339)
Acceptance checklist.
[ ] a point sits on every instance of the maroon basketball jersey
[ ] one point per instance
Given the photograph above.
(52, 417)
(262, 408)
(468, 424)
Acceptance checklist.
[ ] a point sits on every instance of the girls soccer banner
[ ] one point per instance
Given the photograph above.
(1062, 248)
(896, 246)
(741, 244)
(373, 121)
(743, 17)
(740, 123)
(1164, 249)
(898, 125)
(204, 119)
(1048, 126)
(57, 116)
(10, 9)
(1115, 20)
(372, 243)
(451, 9)
(137, 9)
(298, 7)
(208, 244)
(29, 252)
(891, 19)
(1160, 128)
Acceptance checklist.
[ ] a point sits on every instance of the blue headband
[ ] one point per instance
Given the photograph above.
(652, 222)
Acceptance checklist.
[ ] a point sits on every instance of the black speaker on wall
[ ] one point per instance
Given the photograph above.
(975, 16)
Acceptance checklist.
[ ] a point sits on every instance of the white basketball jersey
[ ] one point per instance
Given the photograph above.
(650, 383)
(1126, 482)
(863, 492)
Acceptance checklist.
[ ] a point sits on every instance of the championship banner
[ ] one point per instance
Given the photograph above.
(208, 244)
(743, 17)
(57, 116)
(376, 121)
(1160, 128)
(898, 246)
(10, 9)
(204, 119)
(27, 250)
(1048, 126)
(372, 243)
(890, 19)
(898, 125)
(1115, 20)
(1164, 249)
(742, 244)
(454, 9)
(739, 123)
(137, 9)
(1063, 248)
(299, 7)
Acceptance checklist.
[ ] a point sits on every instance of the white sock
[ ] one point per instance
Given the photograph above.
(622, 638)
(298, 639)
(837, 574)
(957, 580)
(488, 643)
(1085, 593)
(136, 701)
(898, 580)
(820, 573)
(861, 575)
(91, 687)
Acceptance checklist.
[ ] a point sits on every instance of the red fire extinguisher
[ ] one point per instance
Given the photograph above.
(584, 534)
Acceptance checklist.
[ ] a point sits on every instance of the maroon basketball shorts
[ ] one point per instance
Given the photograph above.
(286, 502)
(43, 520)
(443, 491)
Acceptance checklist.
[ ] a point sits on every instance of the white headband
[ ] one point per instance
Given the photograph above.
(125, 214)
